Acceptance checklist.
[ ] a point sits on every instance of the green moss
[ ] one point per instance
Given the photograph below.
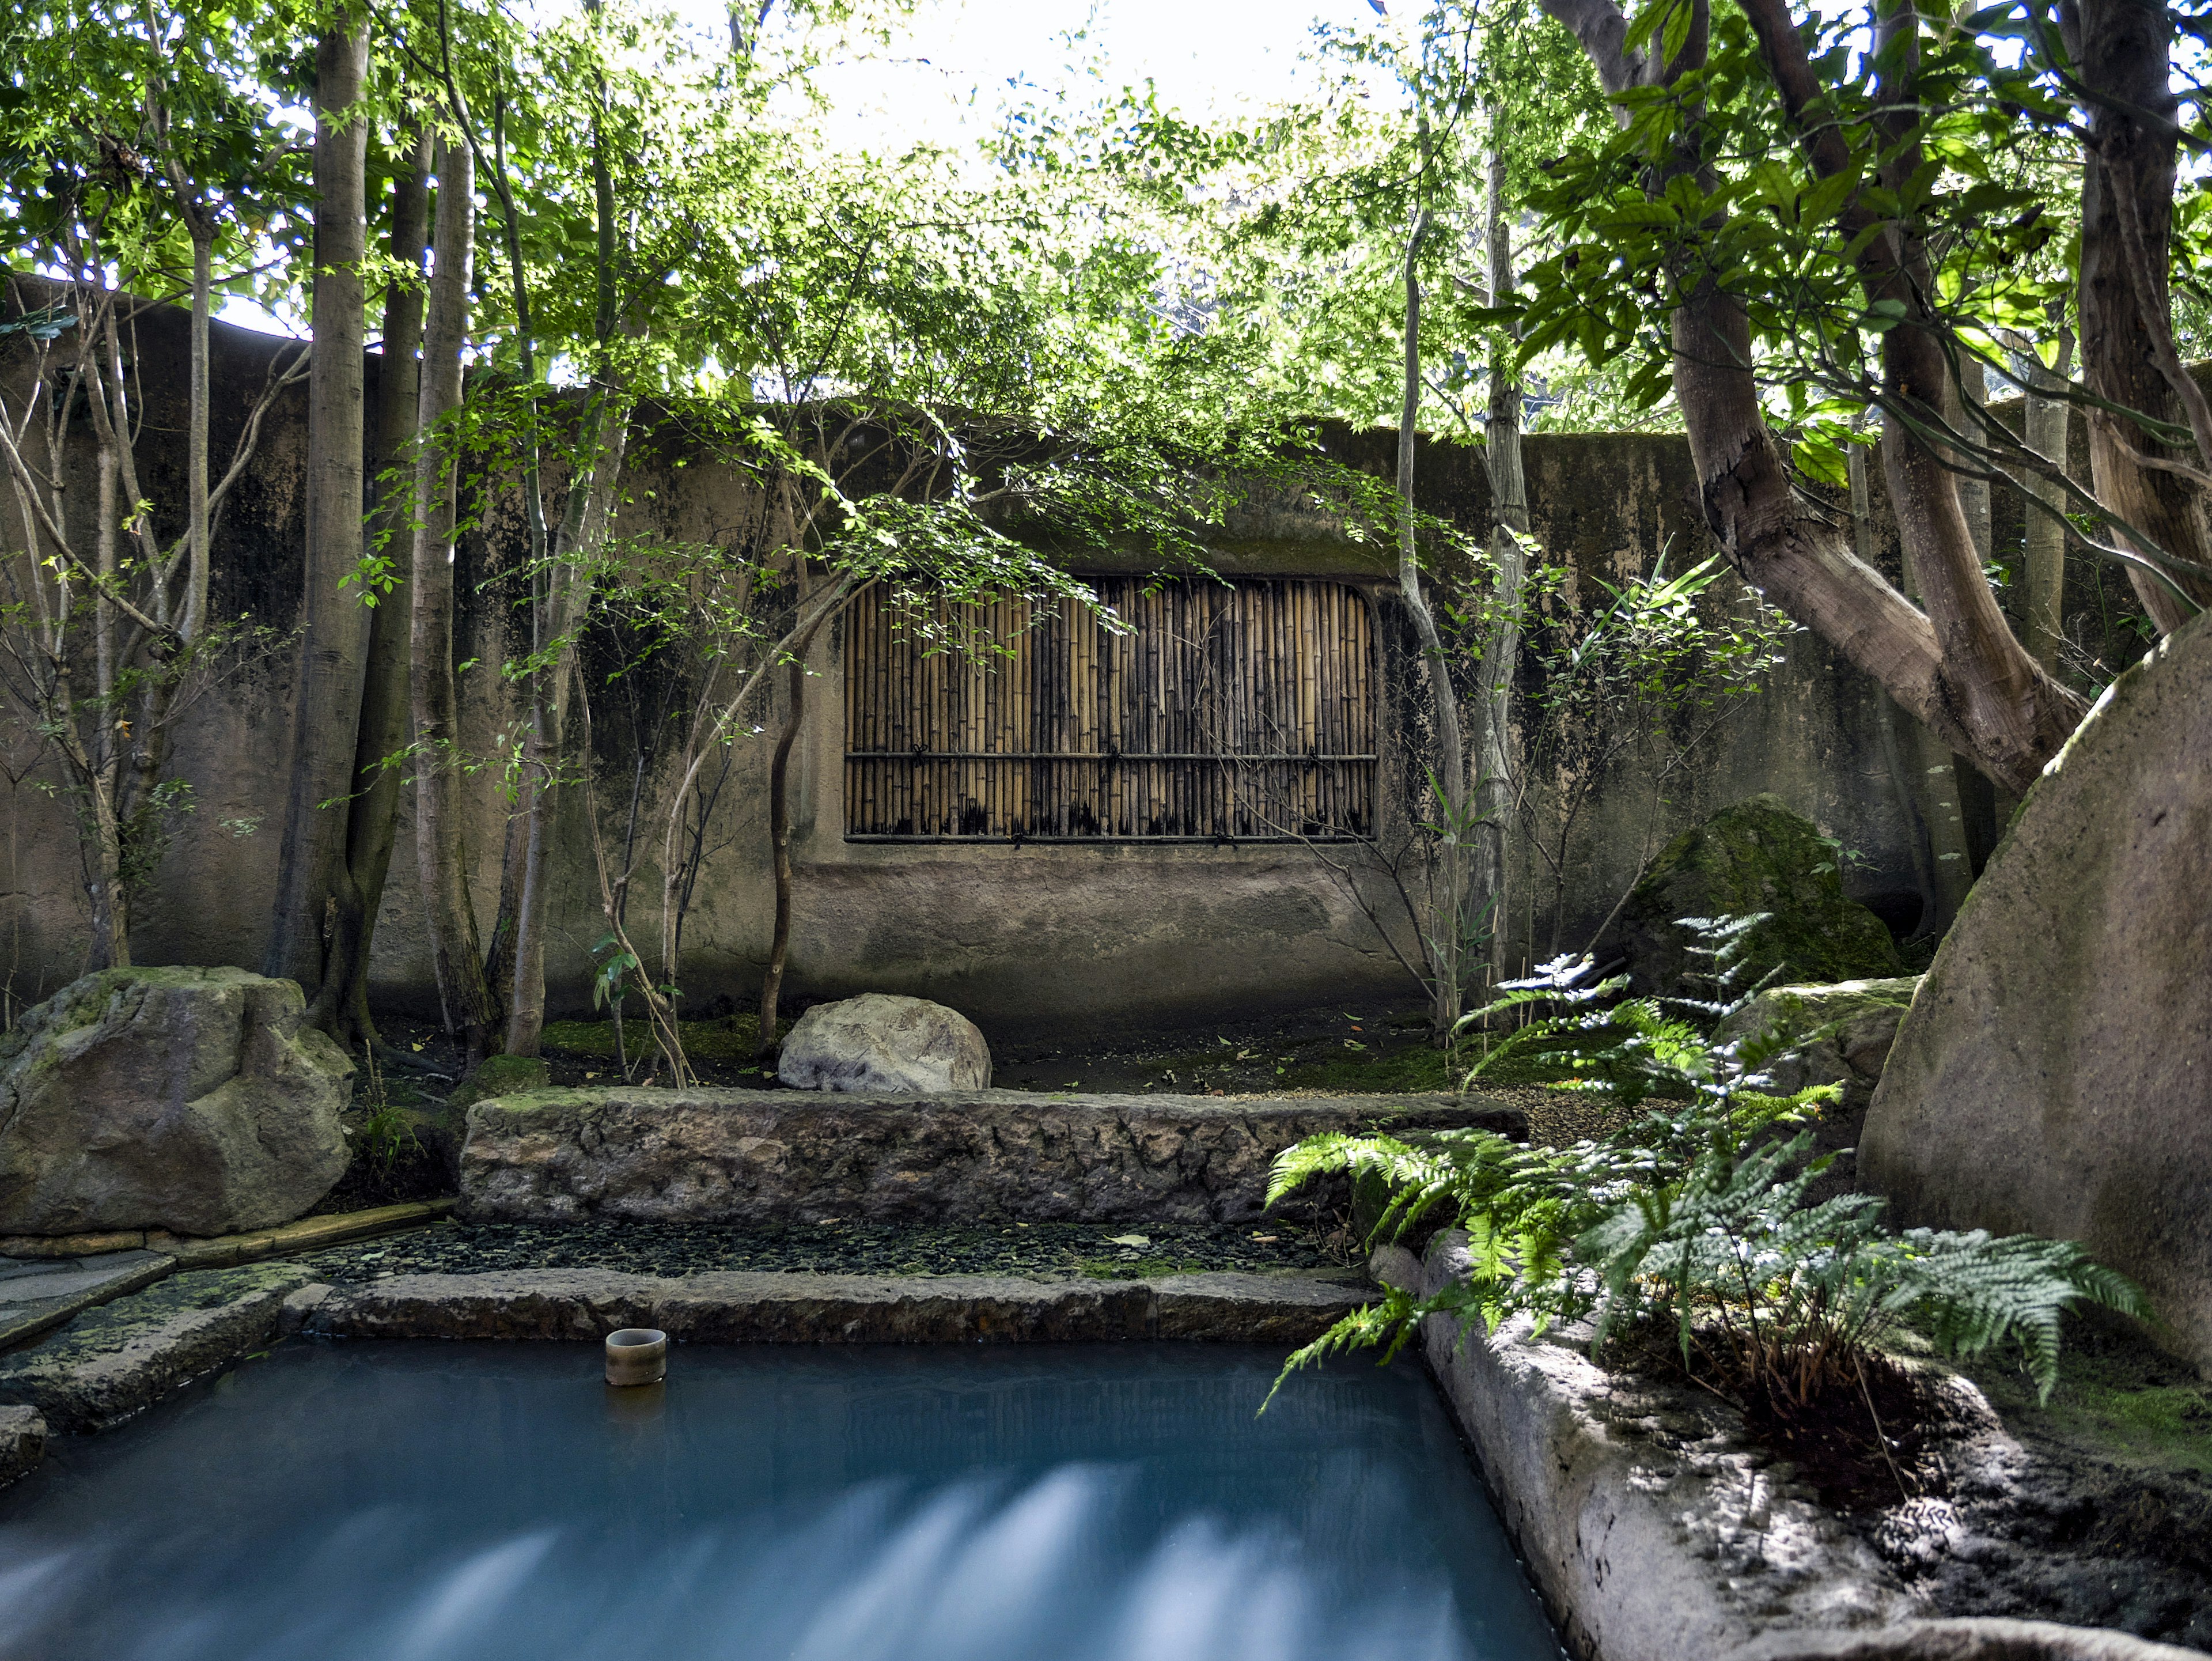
(2117, 1394)
(499, 1075)
(1759, 856)
(733, 1038)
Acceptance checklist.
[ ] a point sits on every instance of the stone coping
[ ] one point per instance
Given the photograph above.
(777, 1157)
(742, 1307)
(1656, 1530)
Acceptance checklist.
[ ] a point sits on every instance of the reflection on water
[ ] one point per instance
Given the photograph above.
(430, 1502)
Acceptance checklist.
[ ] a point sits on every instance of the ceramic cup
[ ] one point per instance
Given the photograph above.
(637, 1355)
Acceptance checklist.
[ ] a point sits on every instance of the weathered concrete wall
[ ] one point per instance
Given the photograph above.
(1019, 937)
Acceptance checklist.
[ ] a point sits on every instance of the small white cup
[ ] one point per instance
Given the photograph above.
(637, 1355)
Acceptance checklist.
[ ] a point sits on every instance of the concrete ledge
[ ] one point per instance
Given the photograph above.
(789, 1308)
(119, 1358)
(38, 1295)
(23, 1442)
(1977, 1640)
(1654, 1529)
(769, 1157)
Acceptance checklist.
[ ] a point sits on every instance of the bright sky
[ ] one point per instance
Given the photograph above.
(962, 58)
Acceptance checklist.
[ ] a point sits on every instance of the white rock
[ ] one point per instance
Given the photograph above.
(878, 1042)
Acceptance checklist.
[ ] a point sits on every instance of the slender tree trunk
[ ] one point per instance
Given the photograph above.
(313, 881)
(1451, 759)
(371, 816)
(2123, 50)
(778, 835)
(196, 437)
(1501, 657)
(2046, 424)
(440, 856)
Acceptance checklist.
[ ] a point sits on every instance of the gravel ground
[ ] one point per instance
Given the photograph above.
(1038, 1251)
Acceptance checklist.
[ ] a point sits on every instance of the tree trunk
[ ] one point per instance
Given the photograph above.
(1451, 757)
(313, 881)
(2046, 424)
(1957, 668)
(371, 816)
(1501, 656)
(440, 856)
(2122, 51)
(778, 835)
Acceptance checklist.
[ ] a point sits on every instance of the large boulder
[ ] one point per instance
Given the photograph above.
(1757, 856)
(1844, 1033)
(2054, 1075)
(878, 1042)
(194, 1100)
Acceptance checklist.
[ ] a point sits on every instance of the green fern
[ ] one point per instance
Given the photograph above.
(1696, 1213)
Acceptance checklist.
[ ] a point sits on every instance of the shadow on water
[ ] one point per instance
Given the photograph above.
(427, 1502)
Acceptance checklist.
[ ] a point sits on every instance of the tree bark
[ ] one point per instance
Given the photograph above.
(440, 855)
(1957, 669)
(778, 835)
(2122, 51)
(1451, 756)
(1501, 657)
(2047, 420)
(313, 881)
(372, 815)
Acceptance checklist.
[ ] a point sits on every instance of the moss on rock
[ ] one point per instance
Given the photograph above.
(1756, 856)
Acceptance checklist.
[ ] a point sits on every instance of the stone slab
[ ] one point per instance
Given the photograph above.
(585, 1305)
(23, 1442)
(772, 1157)
(115, 1360)
(1977, 1639)
(1653, 1528)
(39, 1294)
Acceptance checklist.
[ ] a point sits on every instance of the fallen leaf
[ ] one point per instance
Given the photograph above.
(418, 1048)
(1267, 1239)
(1129, 1239)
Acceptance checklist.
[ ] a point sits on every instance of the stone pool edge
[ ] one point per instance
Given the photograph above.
(1650, 1532)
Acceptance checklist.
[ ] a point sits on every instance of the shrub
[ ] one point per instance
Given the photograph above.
(1694, 1215)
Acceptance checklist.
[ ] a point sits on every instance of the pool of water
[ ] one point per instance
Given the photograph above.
(418, 1501)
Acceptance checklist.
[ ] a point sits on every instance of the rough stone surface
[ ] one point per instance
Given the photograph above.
(124, 1356)
(23, 1442)
(762, 1157)
(1857, 1021)
(41, 1294)
(190, 1100)
(1654, 1528)
(1757, 856)
(881, 1044)
(1964, 1640)
(2054, 1075)
(768, 1308)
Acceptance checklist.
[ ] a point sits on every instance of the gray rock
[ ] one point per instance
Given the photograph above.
(1756, 856)
(885, 1046)
(765, 1157)
(39, 1295)
(2054, 1075)
(126, 1355)
(732, 1308)
(1653, 1526)
(1845, 1031)
(190, 1100)
(23, 1442)
(1977, 1640)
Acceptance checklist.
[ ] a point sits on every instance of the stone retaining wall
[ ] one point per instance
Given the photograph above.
(768, 1156)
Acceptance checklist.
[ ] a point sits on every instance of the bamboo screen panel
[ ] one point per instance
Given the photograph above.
(1244, 712)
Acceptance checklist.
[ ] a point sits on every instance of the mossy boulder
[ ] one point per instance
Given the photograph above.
(197, 1100)
(498, 1075)
(1756, 856)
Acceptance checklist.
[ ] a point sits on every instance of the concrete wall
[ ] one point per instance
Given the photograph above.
(1022, 937)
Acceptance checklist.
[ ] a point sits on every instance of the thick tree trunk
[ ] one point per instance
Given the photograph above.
(1957, 668)
(440, 855)
(371, 816)
(2122, 50)
(313, 882)
(1501, 657)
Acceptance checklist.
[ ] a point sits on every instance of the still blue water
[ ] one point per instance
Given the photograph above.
(422, 1501)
